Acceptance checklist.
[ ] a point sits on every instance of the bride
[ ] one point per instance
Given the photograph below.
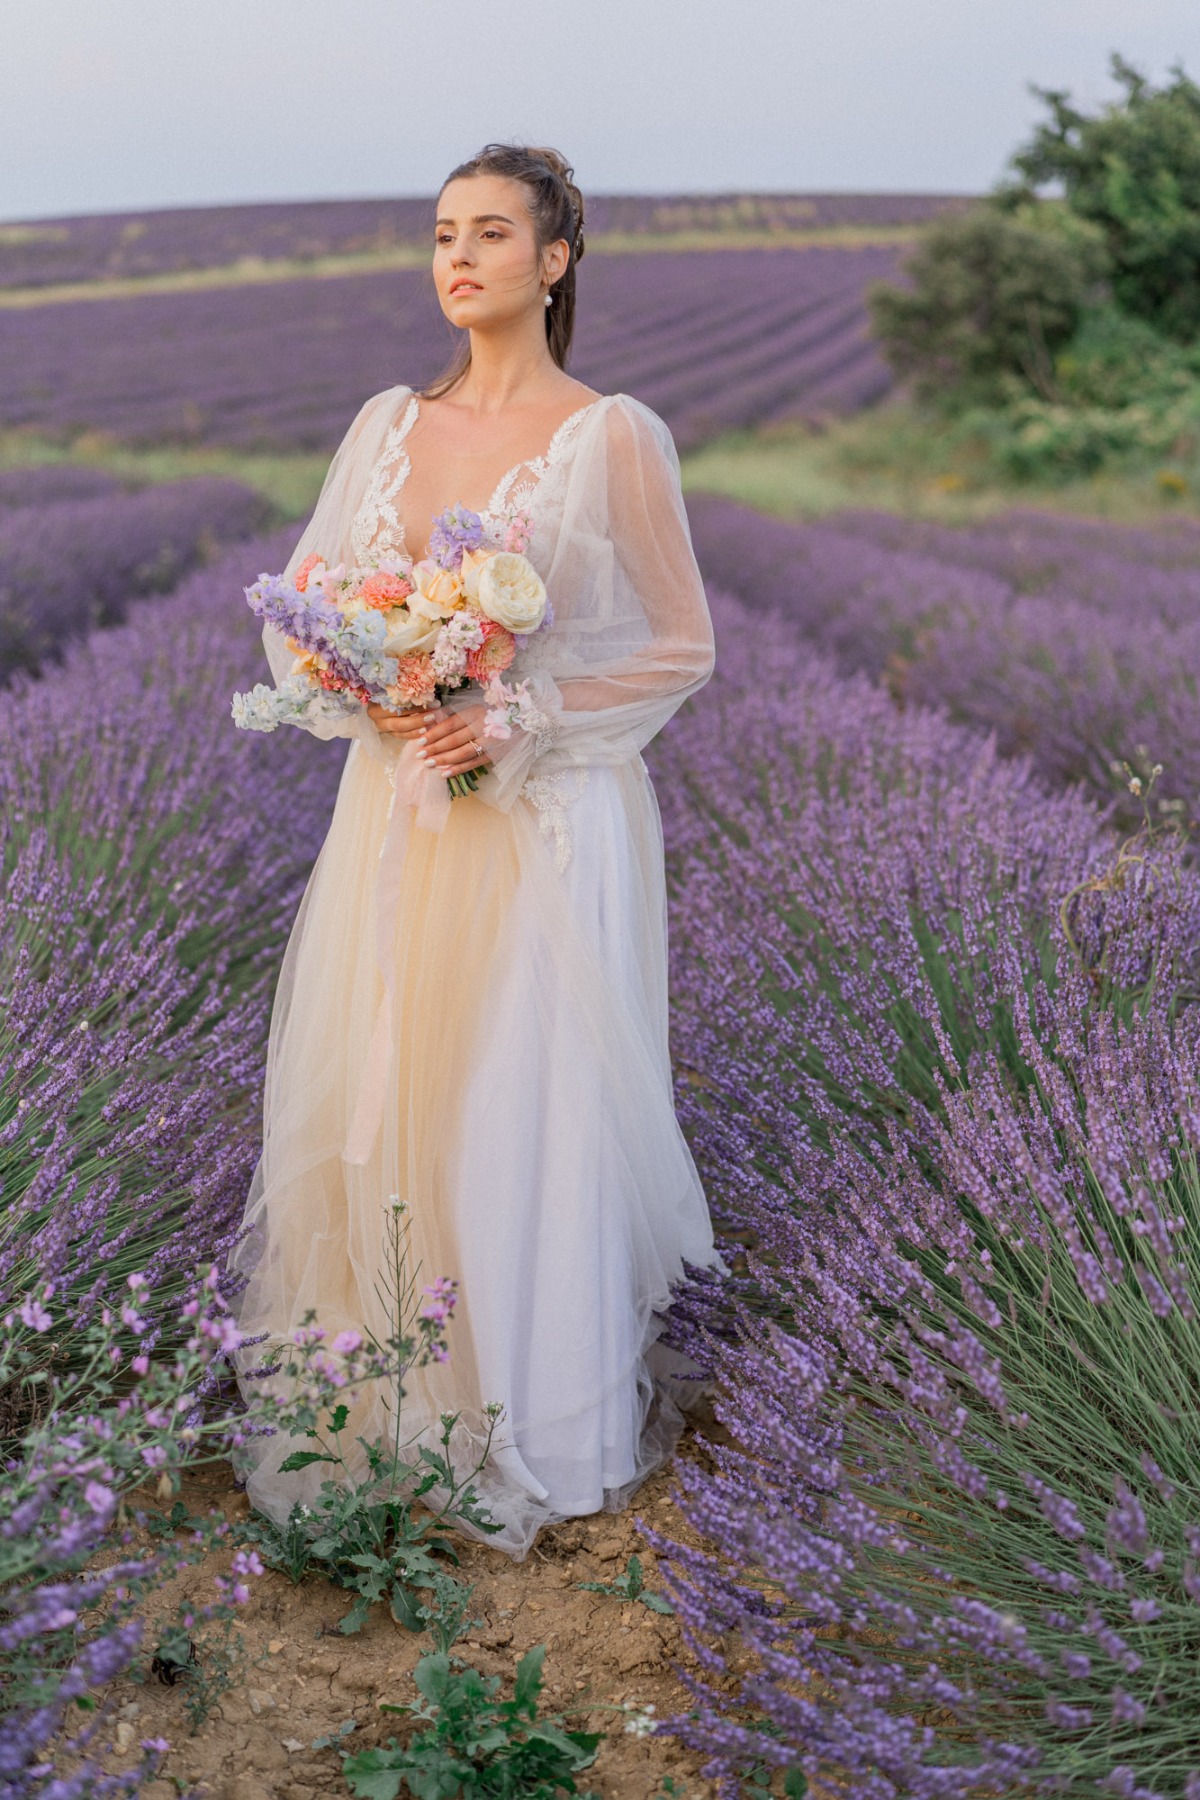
(472, 1008)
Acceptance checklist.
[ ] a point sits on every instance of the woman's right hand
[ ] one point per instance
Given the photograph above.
(410, 723)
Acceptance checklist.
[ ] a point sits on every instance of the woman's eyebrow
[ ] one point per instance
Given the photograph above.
(479, 219)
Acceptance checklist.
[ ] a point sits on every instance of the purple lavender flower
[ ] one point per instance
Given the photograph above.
(454, 531)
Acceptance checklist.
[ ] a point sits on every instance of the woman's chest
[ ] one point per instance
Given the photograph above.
(415, 478)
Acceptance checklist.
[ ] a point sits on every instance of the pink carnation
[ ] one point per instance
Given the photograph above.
(415, 681)
(383, 590)
(493, 655)
(300, 579)
(334, 684)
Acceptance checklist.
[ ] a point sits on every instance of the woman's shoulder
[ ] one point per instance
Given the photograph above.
(629, 421)
(385, 399)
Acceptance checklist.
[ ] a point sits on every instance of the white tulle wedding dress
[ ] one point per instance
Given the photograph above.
(472, 1011)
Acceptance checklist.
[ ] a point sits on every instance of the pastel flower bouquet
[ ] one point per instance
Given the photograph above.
(404, 634)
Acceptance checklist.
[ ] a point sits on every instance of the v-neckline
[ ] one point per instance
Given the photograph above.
(541, 464)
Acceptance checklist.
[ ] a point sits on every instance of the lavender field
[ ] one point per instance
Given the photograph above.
(935, 937)
(75, 548)
(1077, 641)
(98, 247)
(712, 340)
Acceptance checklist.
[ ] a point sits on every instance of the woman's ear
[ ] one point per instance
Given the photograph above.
(556, 256)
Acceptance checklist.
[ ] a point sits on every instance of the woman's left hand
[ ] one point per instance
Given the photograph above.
(447, 742)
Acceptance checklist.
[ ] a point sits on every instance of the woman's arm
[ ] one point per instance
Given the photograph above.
(328, 533)
(633, 633)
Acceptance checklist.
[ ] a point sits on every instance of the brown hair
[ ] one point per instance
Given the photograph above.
(556, 207)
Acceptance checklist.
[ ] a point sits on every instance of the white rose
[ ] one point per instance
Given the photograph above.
(412, 632)
(512, 592)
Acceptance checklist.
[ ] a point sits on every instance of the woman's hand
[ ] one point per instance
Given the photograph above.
(403, 724)
(449, 737)
(445, 737)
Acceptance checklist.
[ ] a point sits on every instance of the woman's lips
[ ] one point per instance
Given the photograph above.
(466, 287)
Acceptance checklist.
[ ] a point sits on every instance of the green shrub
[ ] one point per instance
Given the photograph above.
(1115, 359)
(994, 295)
(1133, 171)
(1035, 440)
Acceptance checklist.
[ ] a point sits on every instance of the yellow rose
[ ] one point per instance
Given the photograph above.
(512, 592)
(472, 562)
(439, 591)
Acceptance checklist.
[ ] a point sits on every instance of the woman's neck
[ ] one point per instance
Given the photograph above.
(507, 369)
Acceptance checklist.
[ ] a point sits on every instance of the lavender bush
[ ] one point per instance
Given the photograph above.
(45, 484)
(103, 1435)
(1090, 668)
(933, 1058)
(151, 874)
(73, 564)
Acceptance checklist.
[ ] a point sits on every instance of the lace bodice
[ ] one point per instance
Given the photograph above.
(377, 530)
(630, 636)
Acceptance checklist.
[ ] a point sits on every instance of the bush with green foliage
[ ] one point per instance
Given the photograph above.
(1133, 171)
(994, 296)
(1063, 334)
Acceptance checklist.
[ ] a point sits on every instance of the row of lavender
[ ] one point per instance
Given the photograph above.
(108, 245)
(712, 340)
(932, 1058)
(953, 1126)
(75, 547)
(153, 859)
(150, 872)
(1075, 640)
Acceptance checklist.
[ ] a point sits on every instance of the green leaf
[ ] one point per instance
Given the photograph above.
(795, 1783)
(300, 1459)
(373, 1774)
(656, 1602)
(356, 1618)
(403, 1608)
(529, 1678)
(338, 1417)
(432, 1676)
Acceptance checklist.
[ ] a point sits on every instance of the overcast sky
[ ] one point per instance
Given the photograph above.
(109, 105)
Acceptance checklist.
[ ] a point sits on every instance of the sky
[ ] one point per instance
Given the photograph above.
(135, 104)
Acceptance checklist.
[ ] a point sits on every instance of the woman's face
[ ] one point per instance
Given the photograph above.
(486, 265)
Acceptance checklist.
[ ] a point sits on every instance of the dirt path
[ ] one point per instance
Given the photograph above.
(304, 1679)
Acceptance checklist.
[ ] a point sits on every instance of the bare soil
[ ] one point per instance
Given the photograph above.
(302, 1679)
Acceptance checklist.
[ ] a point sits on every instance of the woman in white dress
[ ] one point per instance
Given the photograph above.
(472, 1008)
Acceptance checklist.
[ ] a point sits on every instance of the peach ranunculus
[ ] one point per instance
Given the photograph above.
(300, 579)
(383, 591)
(415, 680)
(494, 654)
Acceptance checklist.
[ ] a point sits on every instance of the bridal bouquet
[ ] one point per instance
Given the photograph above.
(404, 634)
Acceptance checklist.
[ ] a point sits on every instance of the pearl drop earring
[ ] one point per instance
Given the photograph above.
(549, 299)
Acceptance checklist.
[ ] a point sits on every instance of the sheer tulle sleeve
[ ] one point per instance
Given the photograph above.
(328, 533)
(631, 636)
